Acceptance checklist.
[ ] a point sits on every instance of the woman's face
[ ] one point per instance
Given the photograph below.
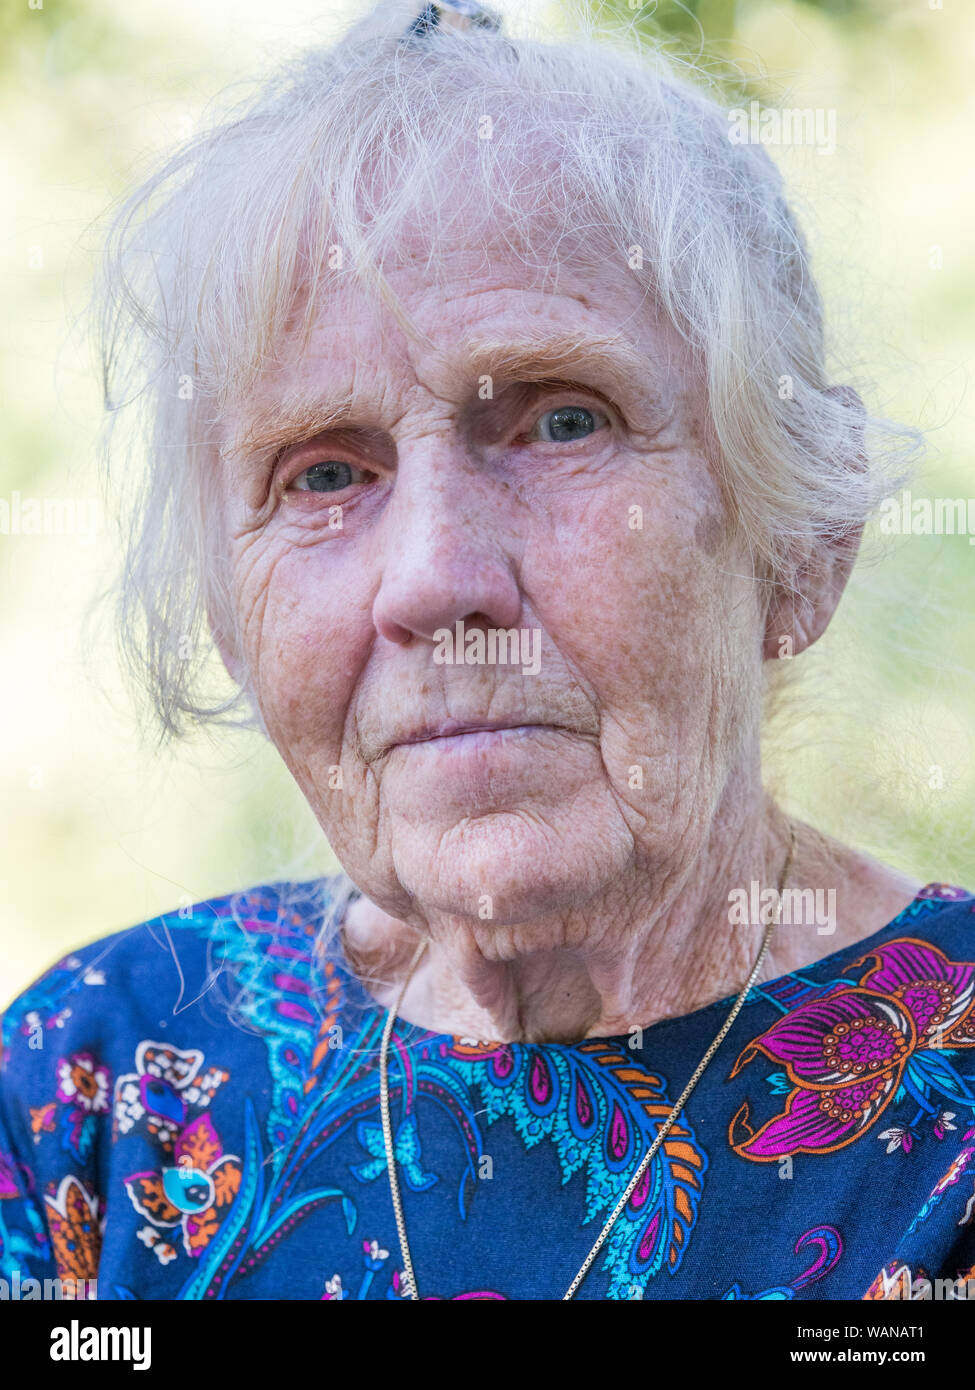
(541, 468)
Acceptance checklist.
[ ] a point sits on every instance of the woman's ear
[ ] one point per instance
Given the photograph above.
(801, 608)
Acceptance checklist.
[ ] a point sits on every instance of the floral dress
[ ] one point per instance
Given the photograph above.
(190, 1110)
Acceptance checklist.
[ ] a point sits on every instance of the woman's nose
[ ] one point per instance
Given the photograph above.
(447, 553)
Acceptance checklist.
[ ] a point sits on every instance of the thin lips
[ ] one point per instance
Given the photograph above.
(449, 727)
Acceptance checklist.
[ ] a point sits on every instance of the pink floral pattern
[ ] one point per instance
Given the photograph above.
(850, 1051)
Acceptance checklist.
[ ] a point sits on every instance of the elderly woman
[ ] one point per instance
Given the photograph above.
(491, 440)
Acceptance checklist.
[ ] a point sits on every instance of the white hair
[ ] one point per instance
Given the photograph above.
(594, 146)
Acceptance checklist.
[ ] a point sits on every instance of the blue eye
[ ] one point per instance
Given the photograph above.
(330, 476)
(567, 423)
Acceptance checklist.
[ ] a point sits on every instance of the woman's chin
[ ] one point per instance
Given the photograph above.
(504, 868)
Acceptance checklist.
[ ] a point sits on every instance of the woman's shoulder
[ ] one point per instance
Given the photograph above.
(181, 1032)
(931, 939)
(941, 913)
(200, 964)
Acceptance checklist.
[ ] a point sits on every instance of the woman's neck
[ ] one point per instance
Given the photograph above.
(618, 965)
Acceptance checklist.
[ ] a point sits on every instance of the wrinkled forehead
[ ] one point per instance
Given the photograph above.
(434, 271)
(437, 300)
(470, 218)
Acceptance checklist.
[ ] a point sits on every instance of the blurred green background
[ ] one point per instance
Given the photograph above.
(100, 831)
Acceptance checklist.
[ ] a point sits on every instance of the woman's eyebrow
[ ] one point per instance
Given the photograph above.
(609, 363)
(299, 415)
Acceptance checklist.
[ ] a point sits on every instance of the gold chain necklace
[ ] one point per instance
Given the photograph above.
(648, 1158)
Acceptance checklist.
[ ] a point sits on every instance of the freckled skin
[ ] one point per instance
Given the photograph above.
(606, 837)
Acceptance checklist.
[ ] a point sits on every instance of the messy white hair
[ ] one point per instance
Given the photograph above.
(598, 149)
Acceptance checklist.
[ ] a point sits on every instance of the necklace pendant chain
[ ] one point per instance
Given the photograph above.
(662, 1132)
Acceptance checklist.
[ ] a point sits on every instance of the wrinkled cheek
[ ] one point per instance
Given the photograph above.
(641, 610)
(289, 676)
(670, 627)
(306, 706)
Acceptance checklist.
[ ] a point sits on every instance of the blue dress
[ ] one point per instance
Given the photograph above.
(190, 1110)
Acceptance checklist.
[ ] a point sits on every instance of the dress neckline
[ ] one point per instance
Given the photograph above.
(941, 893)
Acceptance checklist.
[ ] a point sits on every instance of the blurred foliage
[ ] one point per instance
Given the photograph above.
(717, 19)
(60, 37)
(100, 832)
(711, 33)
